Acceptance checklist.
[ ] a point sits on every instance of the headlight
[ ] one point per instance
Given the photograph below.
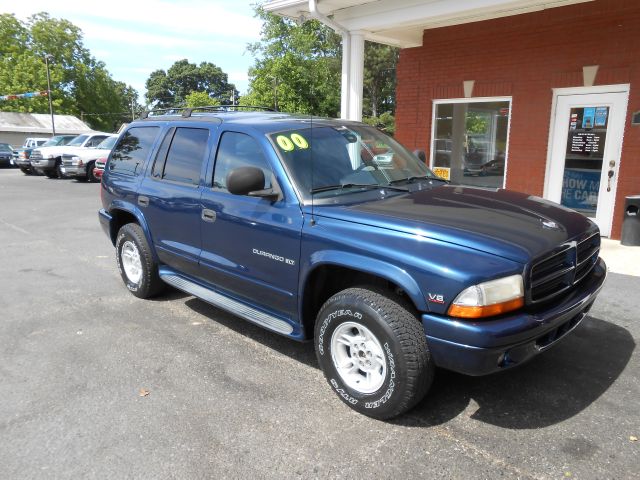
(489, 298)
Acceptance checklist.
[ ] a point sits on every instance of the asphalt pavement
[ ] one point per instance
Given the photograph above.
(95, 383)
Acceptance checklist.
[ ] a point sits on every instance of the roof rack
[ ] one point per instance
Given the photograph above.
(187, 111)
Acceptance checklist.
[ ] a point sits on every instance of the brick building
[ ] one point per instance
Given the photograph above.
(529, 95)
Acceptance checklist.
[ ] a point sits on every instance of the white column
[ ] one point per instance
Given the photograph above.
(356, 76)
(344, 90)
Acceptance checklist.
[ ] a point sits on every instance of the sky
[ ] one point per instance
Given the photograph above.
(135, 37)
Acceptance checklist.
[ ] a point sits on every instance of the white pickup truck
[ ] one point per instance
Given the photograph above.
(48, 160)
(80, 162)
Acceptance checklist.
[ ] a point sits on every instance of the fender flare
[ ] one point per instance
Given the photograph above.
(133, 210)
(369, 265)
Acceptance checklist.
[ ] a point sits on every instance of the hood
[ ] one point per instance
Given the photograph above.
(508, 224)
(88, 153)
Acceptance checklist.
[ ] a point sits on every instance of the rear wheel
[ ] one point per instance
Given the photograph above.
(26, 170)
(373, 352)
(51, 173)
(135, 261)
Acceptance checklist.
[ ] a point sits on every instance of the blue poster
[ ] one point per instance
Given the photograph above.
(601, 116)
(588, 117)
(580, 188)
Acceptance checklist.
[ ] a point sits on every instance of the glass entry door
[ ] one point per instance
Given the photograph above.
(587, 140)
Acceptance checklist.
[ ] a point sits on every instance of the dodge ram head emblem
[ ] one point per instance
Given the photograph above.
(551, 225)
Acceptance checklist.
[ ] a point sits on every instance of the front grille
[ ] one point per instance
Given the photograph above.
(564, 268)
(36, 155)
(66, 160)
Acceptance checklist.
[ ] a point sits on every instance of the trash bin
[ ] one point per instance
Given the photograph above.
(631, 222)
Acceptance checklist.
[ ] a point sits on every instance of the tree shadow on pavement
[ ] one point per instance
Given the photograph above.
(553, 387)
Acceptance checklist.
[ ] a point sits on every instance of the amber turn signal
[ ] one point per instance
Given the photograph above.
(464, 311)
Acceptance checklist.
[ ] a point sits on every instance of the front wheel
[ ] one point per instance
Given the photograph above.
(373, 352)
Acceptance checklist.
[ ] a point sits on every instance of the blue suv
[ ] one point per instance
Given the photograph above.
(331, 230)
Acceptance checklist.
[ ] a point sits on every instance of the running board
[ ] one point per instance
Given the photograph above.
(228, 304)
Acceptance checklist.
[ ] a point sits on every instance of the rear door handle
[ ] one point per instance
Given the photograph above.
(208, 215)
(143, 201)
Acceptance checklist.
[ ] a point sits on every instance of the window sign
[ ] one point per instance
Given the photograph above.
(583, 161)
(470, 142)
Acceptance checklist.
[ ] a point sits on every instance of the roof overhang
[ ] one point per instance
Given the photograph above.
(402, 22)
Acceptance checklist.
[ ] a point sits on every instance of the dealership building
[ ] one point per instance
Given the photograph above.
(537, 96)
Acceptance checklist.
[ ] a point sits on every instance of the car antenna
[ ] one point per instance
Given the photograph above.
(313, 218)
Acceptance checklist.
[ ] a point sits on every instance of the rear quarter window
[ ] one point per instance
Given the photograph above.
(130, 153)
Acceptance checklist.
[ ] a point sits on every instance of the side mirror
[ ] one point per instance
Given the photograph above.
(421, 155)
(249, 181)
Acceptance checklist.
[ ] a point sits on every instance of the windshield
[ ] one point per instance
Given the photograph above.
(5, 147)
(57, 140)
(107, 143)
(79, 140)
(346, 159)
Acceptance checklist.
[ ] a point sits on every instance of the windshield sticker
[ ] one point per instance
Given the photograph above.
(288, 144)
(284, 143)
(299, 141)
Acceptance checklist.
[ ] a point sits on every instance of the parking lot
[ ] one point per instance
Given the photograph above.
(97, 383)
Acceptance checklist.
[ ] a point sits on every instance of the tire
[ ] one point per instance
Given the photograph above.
(51, 173)
(143, 281)
(26, 170)
(91, 177)
(375, 327)
(59, 173)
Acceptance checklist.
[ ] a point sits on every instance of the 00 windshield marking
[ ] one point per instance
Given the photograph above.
(331, 160)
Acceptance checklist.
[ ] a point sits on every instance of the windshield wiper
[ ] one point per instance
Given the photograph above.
(368, 186)
(417, 177)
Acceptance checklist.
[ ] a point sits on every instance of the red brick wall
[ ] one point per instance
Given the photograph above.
(525, 57)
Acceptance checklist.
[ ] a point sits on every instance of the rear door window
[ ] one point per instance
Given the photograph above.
(130, 153)
(181, 155)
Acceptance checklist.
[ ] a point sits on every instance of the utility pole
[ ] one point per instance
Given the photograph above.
(48, 57)
(133, 111)
(275, 93)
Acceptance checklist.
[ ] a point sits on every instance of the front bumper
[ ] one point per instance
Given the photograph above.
(487, 346)
(73, 170)
(22, 162)
(44, 163)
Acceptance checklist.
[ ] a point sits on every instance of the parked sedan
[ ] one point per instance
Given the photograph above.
(6, 152)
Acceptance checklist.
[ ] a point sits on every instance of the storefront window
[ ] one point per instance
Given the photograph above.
(470, 142)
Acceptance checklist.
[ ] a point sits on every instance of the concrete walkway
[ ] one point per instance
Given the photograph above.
(619, 258)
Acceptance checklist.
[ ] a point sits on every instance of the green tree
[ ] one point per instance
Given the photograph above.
(79, 83)
(171, 88)
(379, 89)
(298, 69)
(200, 99)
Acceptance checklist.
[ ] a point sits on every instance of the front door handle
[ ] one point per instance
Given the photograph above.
(610, 176)
(208, 215)
(143, 201)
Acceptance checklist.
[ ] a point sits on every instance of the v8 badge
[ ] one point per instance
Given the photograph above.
(435, 298)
